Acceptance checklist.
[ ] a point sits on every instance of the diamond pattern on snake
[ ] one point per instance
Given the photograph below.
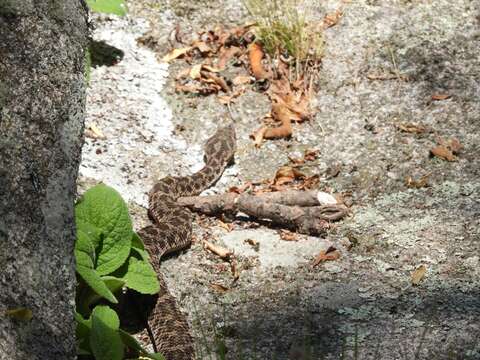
(171, 231)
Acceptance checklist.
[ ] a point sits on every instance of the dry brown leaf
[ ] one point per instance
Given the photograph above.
(234, 269)
(195, 72)
(241, 189)
(258, 136)
(94, 132)
(204, 88)
(296, 161)
(202, 47)
(218, 250)
(411, 128)
(418, 275)
(332, 19)
(443, 152)
(227, 99)
(311, 154)
(183, 73)
(286, 174)
(219, 287)
(215, 79)
(176, 53)
(226, 54)
(255, 56)
(439, 97)
(287, 235)
(211, 68)
(253, 243)
(242, 79)
(417, 184)
(455, 145)
(226, 226)
(326, 255)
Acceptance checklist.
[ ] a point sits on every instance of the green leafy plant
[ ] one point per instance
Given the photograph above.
(116, 7)
(109, 256)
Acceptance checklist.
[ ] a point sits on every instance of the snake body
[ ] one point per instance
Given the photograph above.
(170, 231)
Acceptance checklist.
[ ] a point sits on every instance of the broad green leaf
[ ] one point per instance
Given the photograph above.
(82, 333)
(116, 7)
(93, 279)
(137, 242)
(155, 356)
(133, 344)
(114, 284)
(94, 234)
(84, 249)
(141, 277)
(139, 248)
(104, 337)
(103, 207)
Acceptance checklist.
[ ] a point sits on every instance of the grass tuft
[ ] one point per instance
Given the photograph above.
(282, 26)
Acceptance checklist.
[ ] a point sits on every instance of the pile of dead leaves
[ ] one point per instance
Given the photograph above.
(225, 61)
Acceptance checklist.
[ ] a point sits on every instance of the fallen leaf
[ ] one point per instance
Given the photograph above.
(234, 269)
(227, 99)
(211, 68)
(253, 243)
(195, 72)
(241, 189)
(439, 97)
(226, 54)
(311, 154)
(296, 161)
(417, 184)
(455, 145)
(22, 314)
(326, 255)
(258, 136)
(219, 287)
(286, 174)
(411, 128)
(255, 56)
(332, 19)
(226, 226)
(202, 47)
(242, 79)
(94, 132)
(443, 152)
(176, 53)
(216, 79)
(287, 235)
(218, 250)
(418, 274)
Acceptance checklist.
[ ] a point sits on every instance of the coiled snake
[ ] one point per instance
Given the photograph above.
(171, 231)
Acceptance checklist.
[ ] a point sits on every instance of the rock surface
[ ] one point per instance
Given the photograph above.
(281, 307)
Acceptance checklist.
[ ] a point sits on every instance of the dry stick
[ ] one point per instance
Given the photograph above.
(282, 209)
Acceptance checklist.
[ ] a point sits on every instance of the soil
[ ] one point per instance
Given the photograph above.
(364, 304)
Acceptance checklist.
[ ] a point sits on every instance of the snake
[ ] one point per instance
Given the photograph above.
(171, 231)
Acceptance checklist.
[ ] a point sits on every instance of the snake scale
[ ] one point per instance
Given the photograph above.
(170, 231)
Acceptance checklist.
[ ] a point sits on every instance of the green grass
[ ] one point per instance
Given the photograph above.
(282, 26)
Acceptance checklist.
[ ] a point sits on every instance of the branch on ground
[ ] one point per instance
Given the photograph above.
(296, 210)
